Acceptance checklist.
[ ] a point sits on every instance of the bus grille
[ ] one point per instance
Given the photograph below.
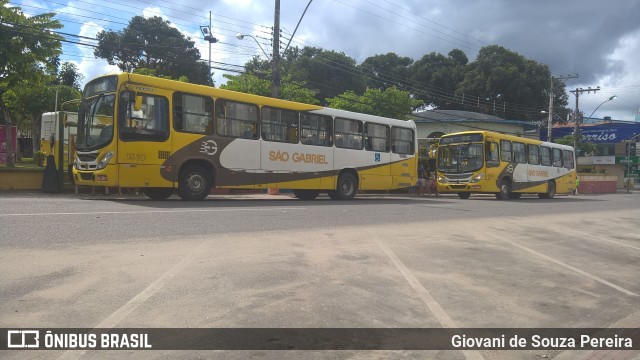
(163, 154)
(87, 157)
(86, 176)
(457, 187)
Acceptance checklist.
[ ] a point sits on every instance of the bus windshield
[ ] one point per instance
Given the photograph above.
(460, 158)
(95, 122)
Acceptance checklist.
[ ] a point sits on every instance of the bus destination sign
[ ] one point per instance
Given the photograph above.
(467, 138)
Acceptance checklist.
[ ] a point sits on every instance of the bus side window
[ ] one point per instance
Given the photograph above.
(534, 155)
(557, 157)
(492, 154)
(568, 159)
(545, 156)
(505, 153)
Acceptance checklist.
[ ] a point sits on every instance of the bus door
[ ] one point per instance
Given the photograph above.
(144, 141)
(492, 160)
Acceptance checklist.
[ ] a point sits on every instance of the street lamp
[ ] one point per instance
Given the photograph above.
(208, 36)
(577, 135)
(241, 36)
(609, 99)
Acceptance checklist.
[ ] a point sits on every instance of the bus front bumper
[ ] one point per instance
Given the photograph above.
(102, 177)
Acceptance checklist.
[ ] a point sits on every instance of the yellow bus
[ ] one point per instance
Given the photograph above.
(163, 136)
(508, 166)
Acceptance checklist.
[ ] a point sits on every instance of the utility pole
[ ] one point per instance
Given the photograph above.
(578, 117)
(550, 122)
(275, 70)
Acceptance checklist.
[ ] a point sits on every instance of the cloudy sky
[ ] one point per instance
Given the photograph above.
(598, 40)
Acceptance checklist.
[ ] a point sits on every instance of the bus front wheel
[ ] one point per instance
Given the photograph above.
(157, 193)
(306, 194)
(505, 189)
(194, 183)
(347, 187)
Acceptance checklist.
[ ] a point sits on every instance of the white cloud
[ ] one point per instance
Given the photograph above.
(89, 66)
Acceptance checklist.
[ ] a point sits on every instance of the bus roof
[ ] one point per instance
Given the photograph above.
(256, 99)
(501, 136)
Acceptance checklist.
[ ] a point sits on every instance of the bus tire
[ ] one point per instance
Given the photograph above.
(551, 191)
(505, 189)
(157, 193)
(194, 183)
(347, 186)
(464, 195)
(306, 194)
(514, 195)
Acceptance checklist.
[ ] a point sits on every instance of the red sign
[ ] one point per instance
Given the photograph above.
(3, 142)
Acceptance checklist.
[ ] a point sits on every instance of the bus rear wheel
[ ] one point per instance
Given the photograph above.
(347, 187)
(194, 183)
(306, 194)
(464, 195)
(157, 193)
(551, 191)
(505, 189)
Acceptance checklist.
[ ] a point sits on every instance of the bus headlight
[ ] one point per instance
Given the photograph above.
(477, 178)
(105, 160)
(442, 179)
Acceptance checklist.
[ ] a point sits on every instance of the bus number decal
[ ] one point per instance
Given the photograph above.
(136, 157)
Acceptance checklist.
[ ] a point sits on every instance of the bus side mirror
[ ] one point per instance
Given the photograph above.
(137, 105)
(64, 119)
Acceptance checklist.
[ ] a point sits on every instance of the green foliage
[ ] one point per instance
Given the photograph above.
(326, 73)
(583, 147)
(153, 44)
(384, 71)
(503, 76)
(436, 77)
(28, 44)
(39, 158)
(391, 102)
(69, 75)
(252, 84)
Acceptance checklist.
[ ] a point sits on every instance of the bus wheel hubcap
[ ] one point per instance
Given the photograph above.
(196, 183)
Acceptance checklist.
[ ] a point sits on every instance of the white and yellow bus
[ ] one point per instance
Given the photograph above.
(508, 166)
(163, 136)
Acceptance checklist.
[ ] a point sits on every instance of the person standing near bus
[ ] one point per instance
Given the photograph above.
(420, 184)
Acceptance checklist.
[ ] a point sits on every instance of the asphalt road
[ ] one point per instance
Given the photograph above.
(273, 261)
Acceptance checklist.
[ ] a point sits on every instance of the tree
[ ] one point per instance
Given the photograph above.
(435, 78)
(326, 73)
(583, 147)
(27, 44)
(34, 98)
(253, 84)
(384, 71)
(392, 103)
(69, 75)
(507, 84)
(153, 44)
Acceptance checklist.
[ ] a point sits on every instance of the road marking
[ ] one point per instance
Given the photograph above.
(125, 310)
(567, 266)
(423, 294)
(155, 211)
(600, 238)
